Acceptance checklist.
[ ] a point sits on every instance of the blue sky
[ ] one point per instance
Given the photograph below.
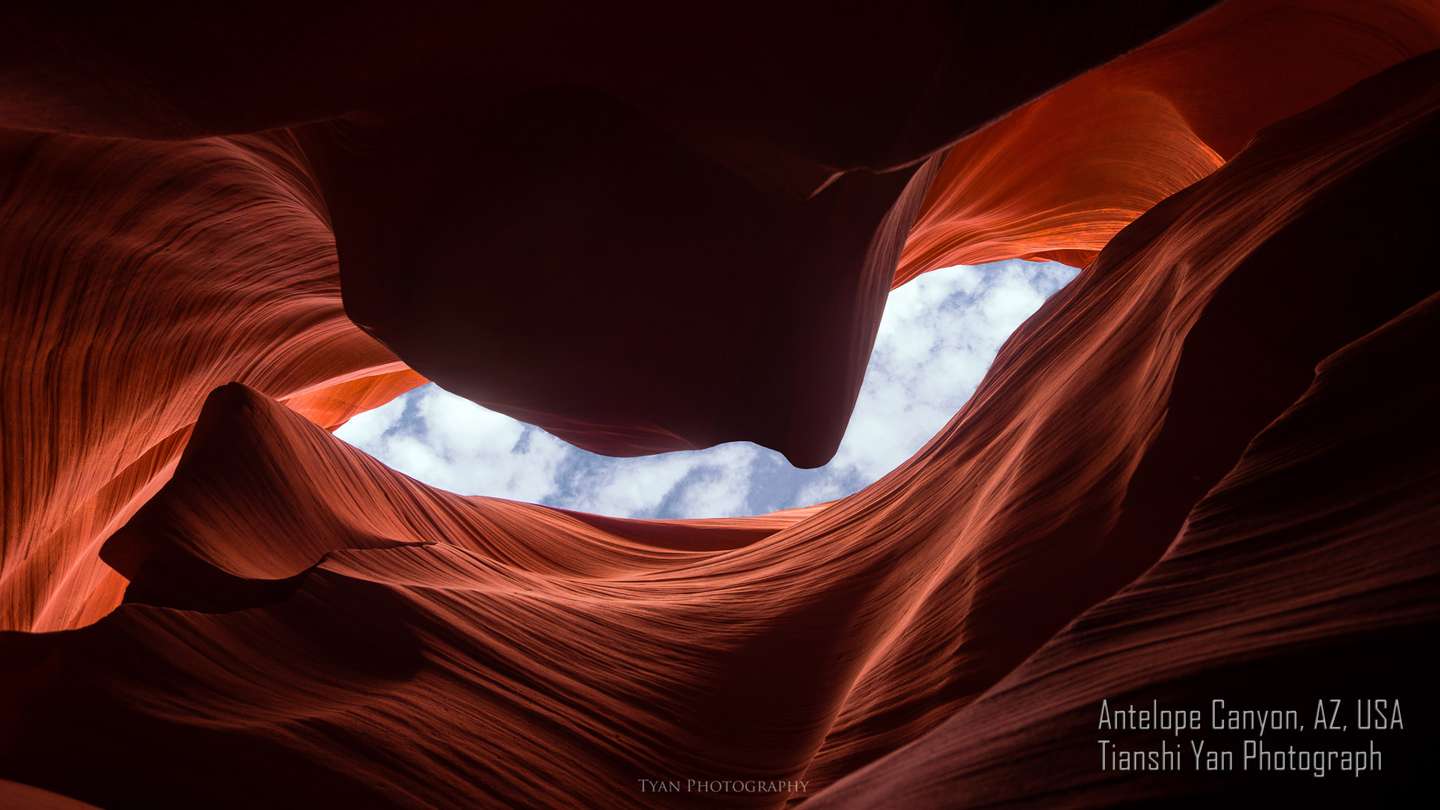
(939, 334)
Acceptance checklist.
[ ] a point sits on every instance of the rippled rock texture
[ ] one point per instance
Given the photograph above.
(1207, 463)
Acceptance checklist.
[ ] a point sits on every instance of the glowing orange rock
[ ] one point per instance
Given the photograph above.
(135, 276)
(150, 254)
(1152, 493)
(346, 633)
(1060, 176)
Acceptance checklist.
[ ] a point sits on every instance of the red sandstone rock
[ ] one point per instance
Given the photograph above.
(1206, 464)
(1059, 177)
(137, 275)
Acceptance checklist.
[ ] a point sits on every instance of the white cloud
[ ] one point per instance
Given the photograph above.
(939, 334)
(454, 444)
(722, 485)
(822, 489)
(631, 486)
(364, 430)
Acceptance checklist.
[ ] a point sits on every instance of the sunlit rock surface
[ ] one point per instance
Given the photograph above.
(1207, 463)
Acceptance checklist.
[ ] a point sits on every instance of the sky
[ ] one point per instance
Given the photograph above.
(939, 334)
